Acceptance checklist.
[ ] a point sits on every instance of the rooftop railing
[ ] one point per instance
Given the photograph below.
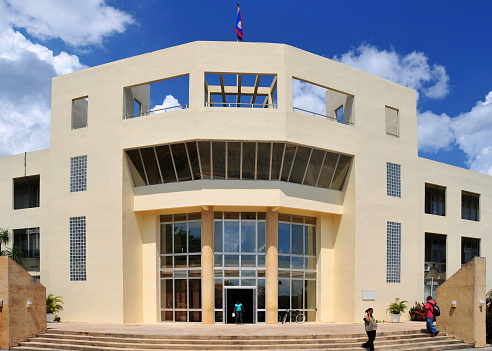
(151, 112)
(239, 104)
(324, 116)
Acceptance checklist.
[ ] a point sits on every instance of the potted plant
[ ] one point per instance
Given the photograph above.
(396, 308)
(53, 305)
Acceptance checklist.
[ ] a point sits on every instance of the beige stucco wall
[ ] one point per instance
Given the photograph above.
(123, 221)
(17, 321)
(466, 318)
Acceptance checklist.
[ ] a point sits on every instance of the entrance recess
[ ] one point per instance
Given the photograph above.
(246, 296)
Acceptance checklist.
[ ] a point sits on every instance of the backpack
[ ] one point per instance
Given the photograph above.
(436, 311)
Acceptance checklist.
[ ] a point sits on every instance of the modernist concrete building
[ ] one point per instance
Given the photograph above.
(138, 214)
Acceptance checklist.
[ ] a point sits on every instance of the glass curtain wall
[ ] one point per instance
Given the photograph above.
(297, 265)
(180, 271)
(239, 257)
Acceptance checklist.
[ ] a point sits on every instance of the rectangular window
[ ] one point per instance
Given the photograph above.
(80, 111)
(435, 200)
(470, 206)
(435, 262)
(393, 252)
(392, 121)
(26, 192)
(78, 249)
(27, 240)
(470, 247)
(78, 174)
(393, 179)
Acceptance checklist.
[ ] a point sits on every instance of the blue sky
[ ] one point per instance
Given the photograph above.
(440, 48)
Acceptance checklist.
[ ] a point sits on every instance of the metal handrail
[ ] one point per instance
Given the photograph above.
(238, 104)
(322, 115)
(165, 109)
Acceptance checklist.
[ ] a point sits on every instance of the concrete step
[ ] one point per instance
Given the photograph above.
(389, 341)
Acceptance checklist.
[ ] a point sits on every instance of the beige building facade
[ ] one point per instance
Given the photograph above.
(140, 213)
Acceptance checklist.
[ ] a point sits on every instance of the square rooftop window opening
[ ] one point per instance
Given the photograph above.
(80, 112)
(322, 102)
(435, 200)
(165, 95)
(26, 192)
(470, 206)
(392, 121)
(241, 90)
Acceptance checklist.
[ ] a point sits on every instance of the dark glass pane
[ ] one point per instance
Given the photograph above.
(195, 261)
(263, 163)
(180, 316)
(218, 236)
(231, 260)
(261, 236)
(310, 294)
(167, 316)
(219, 159)
(314, 167)
(284, 294)
(261, 260)
(233, 160)
(195, 236)
(180, 293)
(166, 238)
(204, 151)
(327, 170)
(248, 236)
(181, 162)
(219, 316)
(218, 293)
(300, 164)
(435, 201)
(167, 293)
(218, 260)
(180, 232)
(195, 299)
(249, 160)
(193, 154)
(248, 261)
(136, 168)
(284, 238)
(150, 164)
(290, 150)
(248, 282)
(195, 316)
(231, 215)
(261, 317)
(284, 262)
(297, 239)
(167, 262)
(179, 261)
(261, 294)
(297, 289)
(231, 236)
(277, 155)
(341, 172)
(166, 163)
(310, 242)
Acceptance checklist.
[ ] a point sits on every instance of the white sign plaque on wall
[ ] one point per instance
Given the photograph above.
(368, 295)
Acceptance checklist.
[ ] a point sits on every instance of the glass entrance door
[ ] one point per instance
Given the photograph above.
(245, 296)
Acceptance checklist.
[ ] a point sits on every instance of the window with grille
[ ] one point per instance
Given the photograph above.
(78, 174)
(393, 252)
(78, 249)
(470, 206)
(393, 179)
(435, 200)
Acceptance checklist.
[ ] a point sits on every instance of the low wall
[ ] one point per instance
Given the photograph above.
(467, 289)
(18, 321)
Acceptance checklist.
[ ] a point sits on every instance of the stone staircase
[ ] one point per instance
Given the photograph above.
(401, 341)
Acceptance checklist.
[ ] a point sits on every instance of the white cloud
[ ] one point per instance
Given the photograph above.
(78, 23)
(412, 70)
(26, 70)
(308, 97)
(169, 101)
(471, 131)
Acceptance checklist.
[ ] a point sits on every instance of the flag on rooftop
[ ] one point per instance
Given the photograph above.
(239, 25)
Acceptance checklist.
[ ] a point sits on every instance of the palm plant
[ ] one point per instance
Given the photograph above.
(4, 239)
(53, 304)
(397, 307)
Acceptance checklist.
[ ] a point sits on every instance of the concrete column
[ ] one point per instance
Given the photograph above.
(271, 267)
(208, 293)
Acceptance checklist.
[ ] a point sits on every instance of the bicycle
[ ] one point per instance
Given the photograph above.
(294, 316)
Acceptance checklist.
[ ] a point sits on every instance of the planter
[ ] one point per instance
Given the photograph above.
(50, 317)
(395, 318)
